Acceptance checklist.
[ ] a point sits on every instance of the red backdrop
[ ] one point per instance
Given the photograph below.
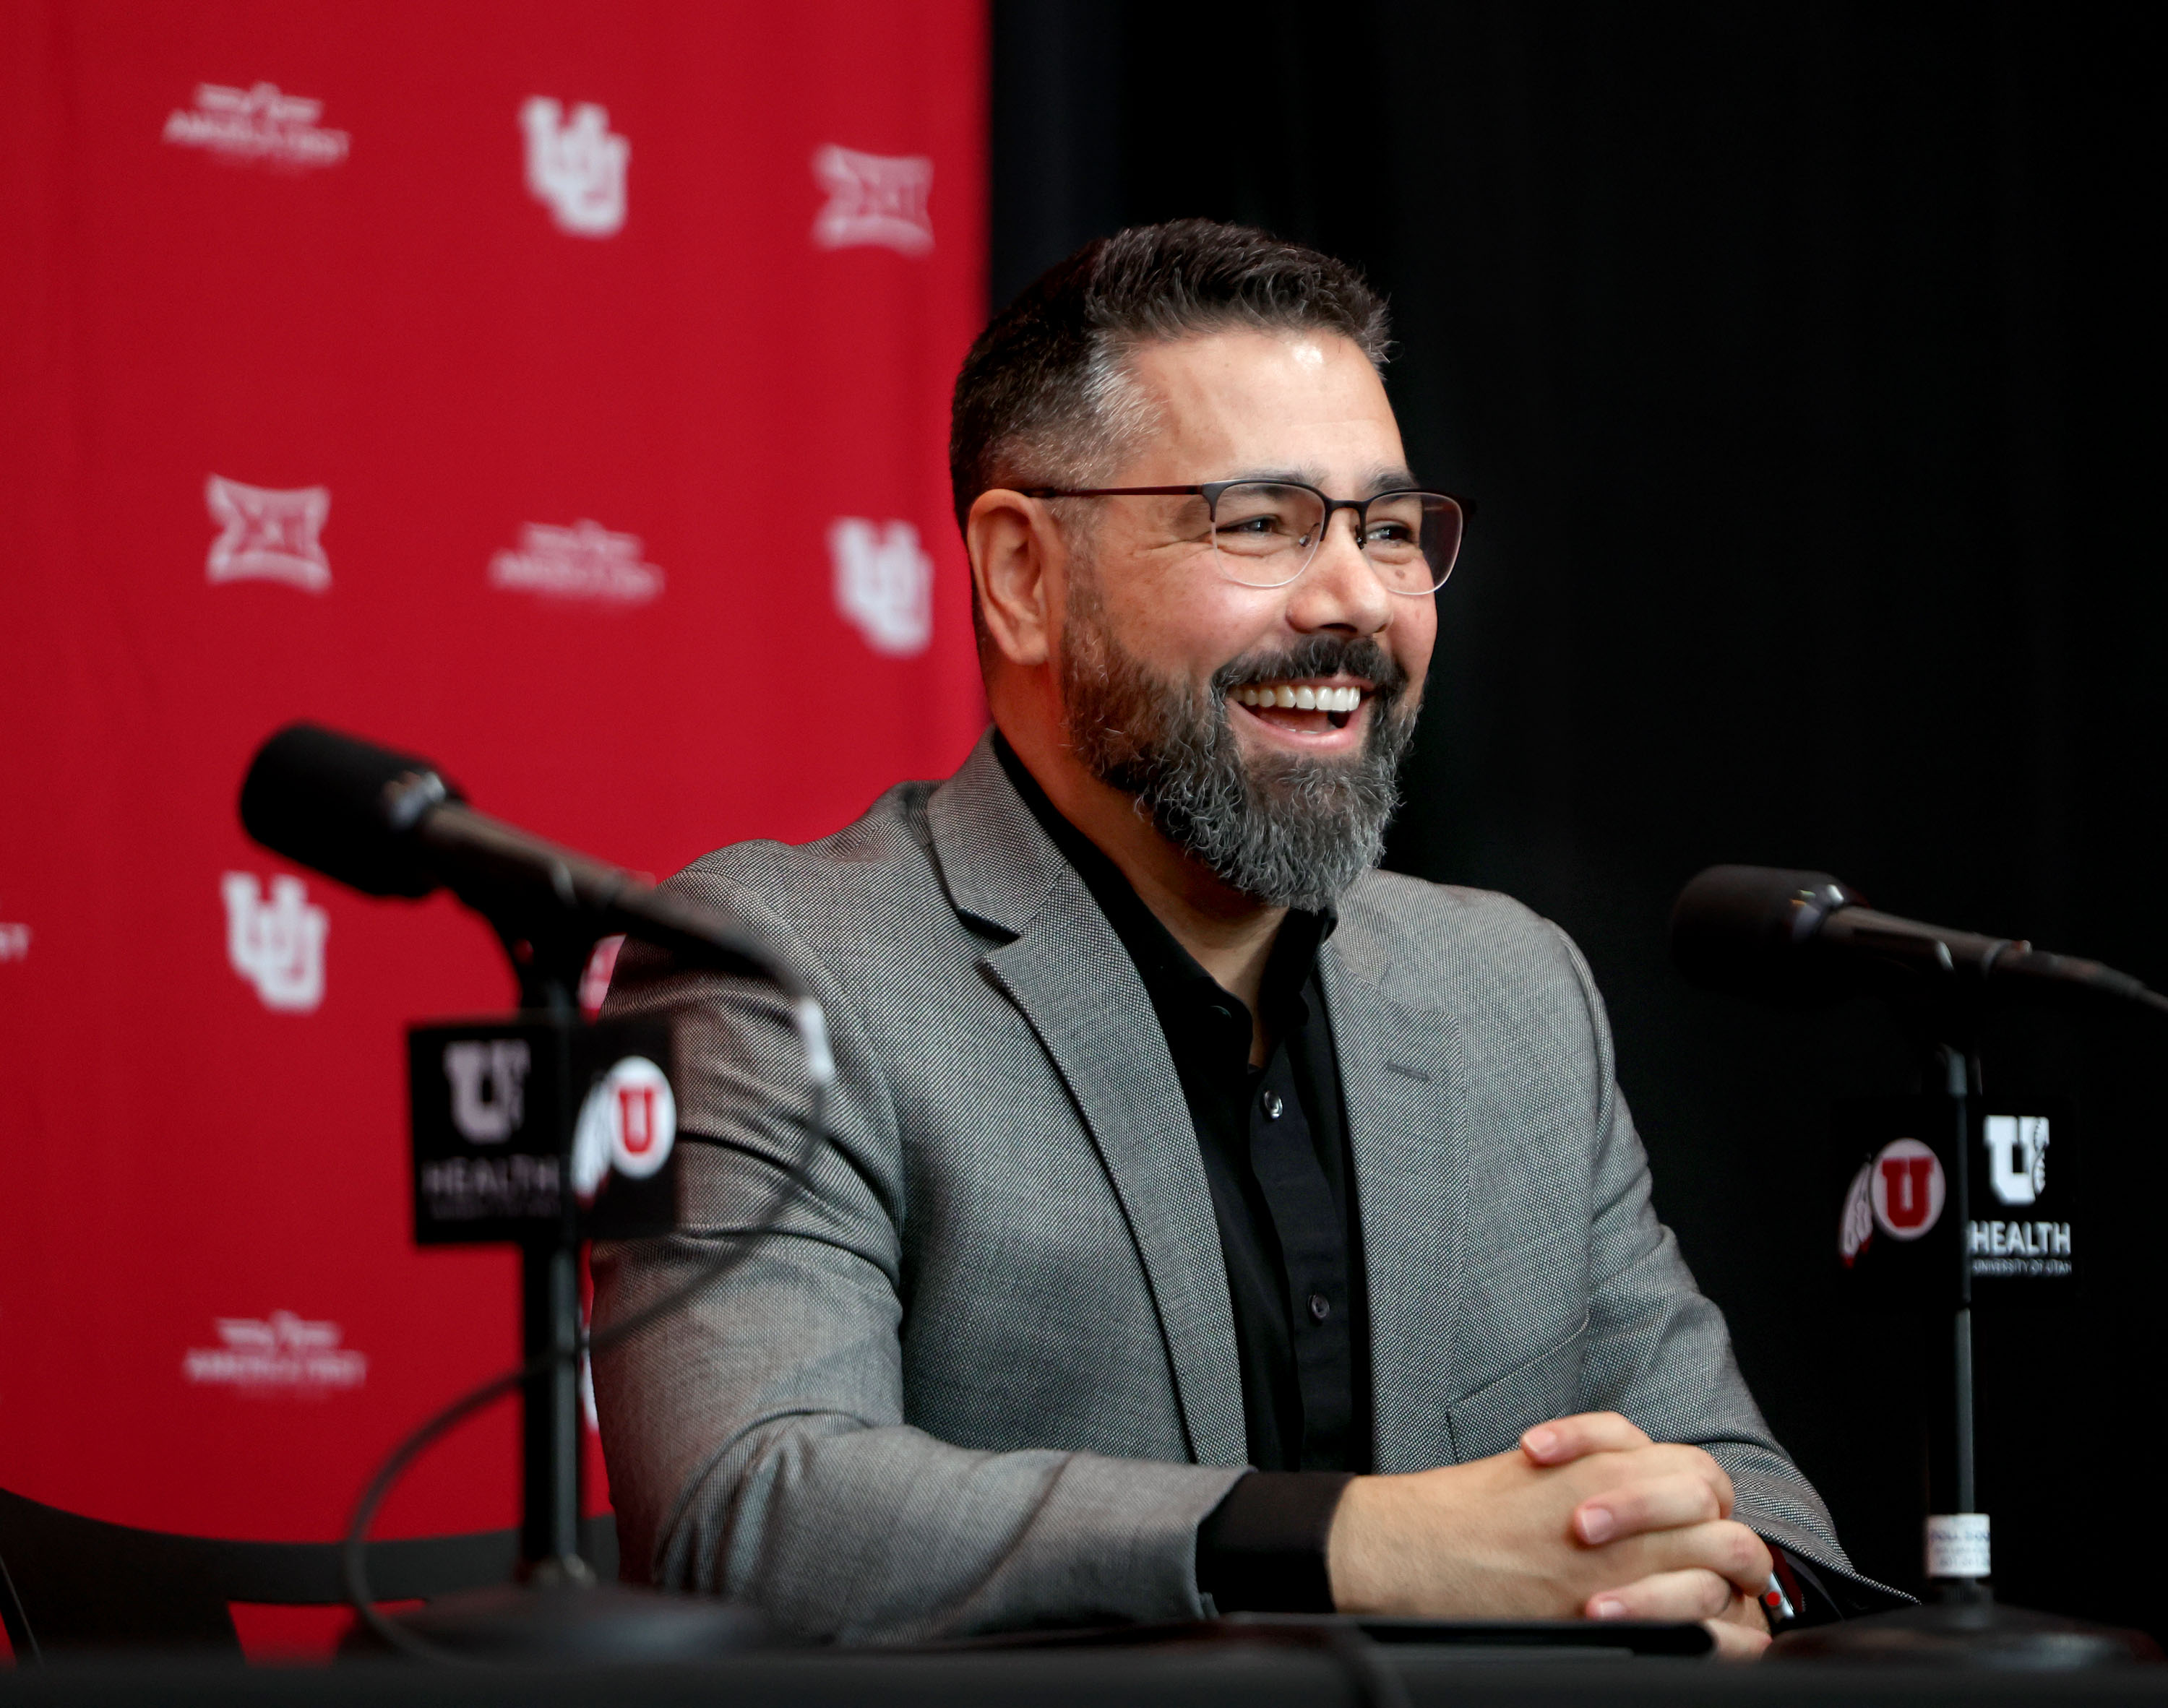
(557, 390)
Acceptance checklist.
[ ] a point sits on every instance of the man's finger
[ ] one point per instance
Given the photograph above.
(1669, 1459)
(1701, 1465)
(1729, 1549)
(1695, 1593)
(1565, 1438)
(1653, 1503)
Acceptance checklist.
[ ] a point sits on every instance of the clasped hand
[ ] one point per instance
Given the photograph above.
(1587, 1519)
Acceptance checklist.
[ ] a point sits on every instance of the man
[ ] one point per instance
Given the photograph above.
(1207, 1221)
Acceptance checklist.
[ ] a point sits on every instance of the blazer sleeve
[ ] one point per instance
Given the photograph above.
(1657, 1349)
(756, 1437)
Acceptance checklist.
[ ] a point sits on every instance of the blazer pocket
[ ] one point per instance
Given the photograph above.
(1490, 1419)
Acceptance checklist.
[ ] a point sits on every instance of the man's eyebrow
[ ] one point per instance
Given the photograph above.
(1383, 478)
(1394, 478)
(1284, 477)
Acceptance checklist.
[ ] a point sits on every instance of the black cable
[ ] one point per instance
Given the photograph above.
(797, 1178)
(21, 1622)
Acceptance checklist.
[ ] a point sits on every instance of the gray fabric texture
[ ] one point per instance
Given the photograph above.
(983, 1375)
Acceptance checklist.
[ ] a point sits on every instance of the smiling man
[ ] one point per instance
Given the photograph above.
(1210, 1221)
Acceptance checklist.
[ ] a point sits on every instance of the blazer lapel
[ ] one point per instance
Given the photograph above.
(1406, 1127)
(1069, 974)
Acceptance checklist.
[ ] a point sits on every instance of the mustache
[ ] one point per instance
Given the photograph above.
(1317, 655)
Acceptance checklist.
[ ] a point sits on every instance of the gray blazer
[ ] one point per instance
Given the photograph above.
(986, 1376)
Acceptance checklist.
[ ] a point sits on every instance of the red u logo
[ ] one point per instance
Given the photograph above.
(1905, 1189)
(635, 1113)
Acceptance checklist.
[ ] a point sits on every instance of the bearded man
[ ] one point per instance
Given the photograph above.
(1208, 1221)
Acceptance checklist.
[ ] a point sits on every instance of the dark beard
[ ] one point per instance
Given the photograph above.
(1288, 831)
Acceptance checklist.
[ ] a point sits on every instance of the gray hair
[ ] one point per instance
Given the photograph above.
(1045, 396)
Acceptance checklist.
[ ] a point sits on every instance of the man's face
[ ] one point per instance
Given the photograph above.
(1163, 656)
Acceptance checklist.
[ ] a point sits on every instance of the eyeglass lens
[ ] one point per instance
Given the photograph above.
(1266, 534)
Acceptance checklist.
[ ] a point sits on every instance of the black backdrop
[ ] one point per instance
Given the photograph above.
(1799, 359)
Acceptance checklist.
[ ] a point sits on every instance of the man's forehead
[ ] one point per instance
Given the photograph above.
(1303, 405)
(1241, 349)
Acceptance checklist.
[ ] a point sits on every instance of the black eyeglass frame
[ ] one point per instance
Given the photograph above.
(1210, 492)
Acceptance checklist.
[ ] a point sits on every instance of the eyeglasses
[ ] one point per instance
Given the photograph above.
(1265, 533)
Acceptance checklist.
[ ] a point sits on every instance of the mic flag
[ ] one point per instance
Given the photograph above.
(525, 1126)
(1899, 1236)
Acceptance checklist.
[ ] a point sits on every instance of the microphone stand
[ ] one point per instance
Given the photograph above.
(552, 1468)
(1960, 1623)
(557, 1610)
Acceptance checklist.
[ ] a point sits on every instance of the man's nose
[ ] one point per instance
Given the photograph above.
(1340, 589)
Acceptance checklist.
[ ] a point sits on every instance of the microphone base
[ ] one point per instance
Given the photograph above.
(1969, 1628)
(565, 1622)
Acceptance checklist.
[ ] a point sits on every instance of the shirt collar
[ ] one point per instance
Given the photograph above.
(1168, 969)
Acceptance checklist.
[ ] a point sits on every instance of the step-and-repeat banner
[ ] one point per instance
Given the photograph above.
(557, 391)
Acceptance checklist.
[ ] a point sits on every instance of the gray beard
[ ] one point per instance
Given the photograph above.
(1286, 831)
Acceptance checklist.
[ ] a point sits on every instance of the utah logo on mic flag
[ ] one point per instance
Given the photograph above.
(1907, 1238)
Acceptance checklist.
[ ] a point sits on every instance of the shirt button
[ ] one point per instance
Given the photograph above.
(1272, 1106)
(1321, 1308)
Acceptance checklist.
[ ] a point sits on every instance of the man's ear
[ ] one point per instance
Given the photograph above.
(1015, 552)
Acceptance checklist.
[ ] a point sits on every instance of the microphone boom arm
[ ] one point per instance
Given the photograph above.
(1792, 934)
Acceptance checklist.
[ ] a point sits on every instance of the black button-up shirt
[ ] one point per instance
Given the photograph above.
(1273, 1143)
(1275, 1162)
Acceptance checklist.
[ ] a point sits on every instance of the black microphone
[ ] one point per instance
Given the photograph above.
(390, 824)
(1758, 931)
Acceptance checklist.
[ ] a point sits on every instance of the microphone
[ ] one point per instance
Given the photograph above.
(390, 824)
(1791, 937)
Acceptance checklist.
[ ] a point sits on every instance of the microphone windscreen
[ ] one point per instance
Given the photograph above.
(1746, 928)
(329, 802)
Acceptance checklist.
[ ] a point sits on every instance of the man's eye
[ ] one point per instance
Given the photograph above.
(1392, 543)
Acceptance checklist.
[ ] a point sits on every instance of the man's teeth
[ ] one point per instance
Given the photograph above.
(1302, 699)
